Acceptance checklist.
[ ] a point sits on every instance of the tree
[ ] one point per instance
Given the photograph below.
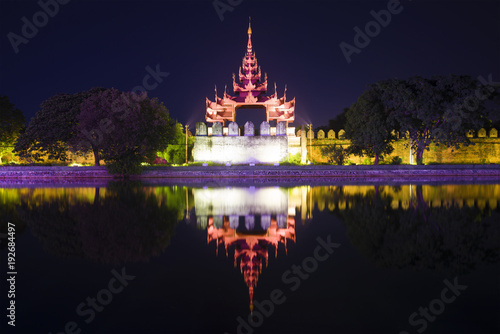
(53, 127)
(176, 150)
(94, 121)
(124, 129)
(11, 124)
(367, 127)
(335, 153)
(440, 110)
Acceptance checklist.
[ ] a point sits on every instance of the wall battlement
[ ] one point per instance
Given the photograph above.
(228, 144)
(485, 149)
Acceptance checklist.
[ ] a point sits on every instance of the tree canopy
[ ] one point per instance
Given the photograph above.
(441, 109)
(367, 126)
(176, 150)
(11, 124)
(52, 128)
(123, 129)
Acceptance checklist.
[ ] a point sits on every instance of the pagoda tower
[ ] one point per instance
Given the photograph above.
(250, 92)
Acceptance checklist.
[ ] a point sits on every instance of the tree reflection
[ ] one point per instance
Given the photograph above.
(8, 214)
(128, 224)
(450, 238)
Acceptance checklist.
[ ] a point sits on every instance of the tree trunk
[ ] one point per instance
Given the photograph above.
(420, 154)
(420, 198)
(376, 159)
(96, 156)
(423, 207)
(96, 195)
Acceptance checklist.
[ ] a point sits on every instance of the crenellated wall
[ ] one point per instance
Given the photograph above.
(276, 144)
(485, 149)
(228, 145)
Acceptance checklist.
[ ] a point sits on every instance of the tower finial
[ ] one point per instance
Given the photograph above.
(249, 46)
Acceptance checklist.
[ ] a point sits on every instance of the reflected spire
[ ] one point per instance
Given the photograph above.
(251, 250)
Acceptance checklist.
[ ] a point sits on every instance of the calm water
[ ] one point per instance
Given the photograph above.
(139, 258)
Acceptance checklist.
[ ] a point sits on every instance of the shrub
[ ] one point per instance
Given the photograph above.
(335, 154)
(396, 160)
(294, 158)
(124, 165)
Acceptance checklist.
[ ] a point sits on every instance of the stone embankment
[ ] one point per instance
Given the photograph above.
(213, 176)
(381, 171)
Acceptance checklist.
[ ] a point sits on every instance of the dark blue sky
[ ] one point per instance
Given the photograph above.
(110, 44)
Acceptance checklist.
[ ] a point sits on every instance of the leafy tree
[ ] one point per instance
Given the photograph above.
(176, 150)
(367, 127)
(123, 129)
(94, 121)
(440, 110)
(11, 124)
(335, 153)
(53, 127)
(126, 129)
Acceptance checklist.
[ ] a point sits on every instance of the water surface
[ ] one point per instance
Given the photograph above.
(363, 258)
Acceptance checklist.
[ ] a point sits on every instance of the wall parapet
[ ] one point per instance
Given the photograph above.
(233, 130)
(481, 133)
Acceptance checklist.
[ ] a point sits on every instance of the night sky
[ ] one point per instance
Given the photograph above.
(110, 43)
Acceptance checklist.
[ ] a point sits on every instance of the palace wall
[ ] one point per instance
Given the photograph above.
(227, 145)
(240, 150)
(486, 149)
(271, 148)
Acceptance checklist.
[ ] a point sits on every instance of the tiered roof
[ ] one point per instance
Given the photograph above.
(250, 92)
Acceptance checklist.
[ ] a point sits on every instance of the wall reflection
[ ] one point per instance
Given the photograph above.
(338, 198)
(451, 228)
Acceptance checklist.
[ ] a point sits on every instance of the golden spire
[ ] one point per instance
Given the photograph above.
(249, 46)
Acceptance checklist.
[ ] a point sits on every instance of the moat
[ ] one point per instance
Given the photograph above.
(255, 258)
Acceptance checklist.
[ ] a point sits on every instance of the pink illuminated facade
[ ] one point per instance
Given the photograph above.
(250, 92)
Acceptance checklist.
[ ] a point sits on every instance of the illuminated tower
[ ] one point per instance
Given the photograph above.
(250, 92)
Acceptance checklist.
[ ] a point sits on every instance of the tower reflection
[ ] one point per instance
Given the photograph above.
(248, 220)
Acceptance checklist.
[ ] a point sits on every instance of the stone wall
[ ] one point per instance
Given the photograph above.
(241, 149)
(216, 144)
(485, 150)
